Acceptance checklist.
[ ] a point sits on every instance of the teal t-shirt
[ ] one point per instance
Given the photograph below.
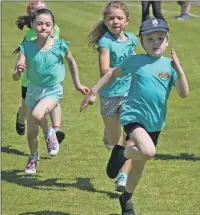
(119, 51)
(151, 83)
(45, 68)
(30, 35)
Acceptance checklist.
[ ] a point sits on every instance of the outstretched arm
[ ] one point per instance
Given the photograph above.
(20, 67)
(181, 82)
(91, 97)
(109, 76)
(75, 74)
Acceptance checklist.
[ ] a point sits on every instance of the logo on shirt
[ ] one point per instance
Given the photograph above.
(123, 56)
(164, 75)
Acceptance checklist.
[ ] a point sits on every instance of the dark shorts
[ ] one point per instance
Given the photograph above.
(23, 92)
(132, 126)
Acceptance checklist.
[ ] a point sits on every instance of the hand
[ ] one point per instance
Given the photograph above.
(89, 100)
(175, 61)
(20, 68)
(52, 33)
(83, 89)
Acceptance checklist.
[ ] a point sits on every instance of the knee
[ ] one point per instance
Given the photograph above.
(128, 142)
(32, 134)
(37, 115)
(149, 153)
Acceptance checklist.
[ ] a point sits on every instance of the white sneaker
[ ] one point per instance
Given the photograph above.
(52, 143)
(121, 182)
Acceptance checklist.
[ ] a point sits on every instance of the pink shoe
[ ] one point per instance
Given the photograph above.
(52, 143)
(31, 166)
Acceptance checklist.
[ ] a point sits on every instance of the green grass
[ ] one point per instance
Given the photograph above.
(75, 182)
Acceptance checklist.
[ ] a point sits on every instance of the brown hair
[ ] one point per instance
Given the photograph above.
(100, 29)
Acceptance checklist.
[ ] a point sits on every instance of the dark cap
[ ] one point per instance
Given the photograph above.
(153, 25)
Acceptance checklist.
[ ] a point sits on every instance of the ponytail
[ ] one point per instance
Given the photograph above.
(95, 35)
(23, 21)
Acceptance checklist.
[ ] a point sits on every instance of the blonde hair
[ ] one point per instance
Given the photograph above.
(100, 29)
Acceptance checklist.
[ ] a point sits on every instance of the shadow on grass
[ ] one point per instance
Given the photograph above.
(32, 181)
(9, 150)
(44, 213)
(49, 213)
(182, 156)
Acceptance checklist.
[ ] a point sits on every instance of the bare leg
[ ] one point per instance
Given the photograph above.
(32, 137)
(113, 129)
(143, 149)
(56, 122)
(39, 113)
(113, 135)
(32, 132)
(22, 113)
(56, 117)
(134, 175)
(21, 119)
(44, 107)
(127, 166)
(186, 8)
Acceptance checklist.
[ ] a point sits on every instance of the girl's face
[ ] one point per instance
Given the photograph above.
(116, 21)
(155, 43)
(43, 25)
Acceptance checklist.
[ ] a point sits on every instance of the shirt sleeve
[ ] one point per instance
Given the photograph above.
(104, 43)
(64, 45)
(23, 48)
(134, 40)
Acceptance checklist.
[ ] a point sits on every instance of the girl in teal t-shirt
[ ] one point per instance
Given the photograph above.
(46, 71)
(21, 113)
(114, 46)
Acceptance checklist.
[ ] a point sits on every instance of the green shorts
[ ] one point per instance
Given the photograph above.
(35, 94)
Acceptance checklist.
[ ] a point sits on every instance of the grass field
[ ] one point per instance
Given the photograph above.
(75, 182)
